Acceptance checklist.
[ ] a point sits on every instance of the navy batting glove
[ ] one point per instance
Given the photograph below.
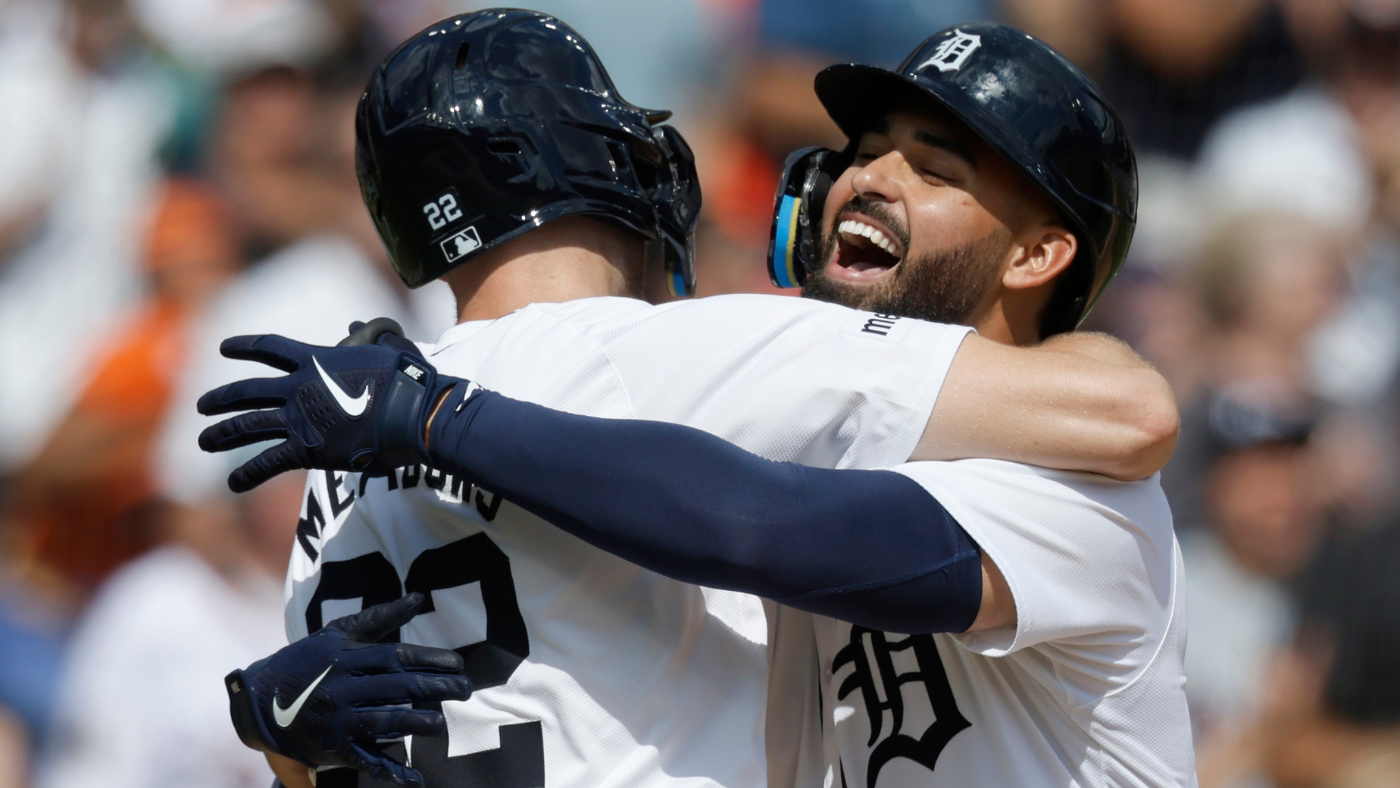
(333, 698)
(359, 406)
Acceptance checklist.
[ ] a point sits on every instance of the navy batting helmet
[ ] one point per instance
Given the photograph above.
(487, 125)
(1029, 103)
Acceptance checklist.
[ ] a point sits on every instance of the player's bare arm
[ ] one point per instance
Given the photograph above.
(1082, 402)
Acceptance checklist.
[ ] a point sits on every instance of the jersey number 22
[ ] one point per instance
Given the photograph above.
(519, 761)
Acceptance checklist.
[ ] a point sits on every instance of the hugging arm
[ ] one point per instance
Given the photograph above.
(869, 547)
(850, 544)
(1078, 402)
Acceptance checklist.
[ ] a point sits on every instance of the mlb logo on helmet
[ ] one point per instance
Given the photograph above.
(952, 52)
(463, 243)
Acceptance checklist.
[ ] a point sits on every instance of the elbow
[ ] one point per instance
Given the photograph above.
(1150, 424)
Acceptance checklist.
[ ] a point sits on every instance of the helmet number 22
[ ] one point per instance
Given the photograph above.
(442, 211)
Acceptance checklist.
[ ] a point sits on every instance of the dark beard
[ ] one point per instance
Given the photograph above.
(942, 287)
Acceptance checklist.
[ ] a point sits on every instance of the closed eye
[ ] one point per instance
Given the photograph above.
(936, 176)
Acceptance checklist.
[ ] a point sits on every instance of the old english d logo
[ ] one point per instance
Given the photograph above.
(952, 52)
(881, 685)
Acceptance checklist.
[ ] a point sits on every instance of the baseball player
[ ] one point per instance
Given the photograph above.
(501, 128)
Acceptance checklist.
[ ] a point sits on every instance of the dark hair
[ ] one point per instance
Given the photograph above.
(1352, 597)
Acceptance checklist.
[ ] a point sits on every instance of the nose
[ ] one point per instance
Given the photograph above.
(876, 181)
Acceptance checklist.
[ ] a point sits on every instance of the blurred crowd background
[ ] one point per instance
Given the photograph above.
(173, 172)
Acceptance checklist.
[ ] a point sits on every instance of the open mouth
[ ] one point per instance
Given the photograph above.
(865, 249)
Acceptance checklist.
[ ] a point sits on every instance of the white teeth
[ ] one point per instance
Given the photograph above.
(853, 227)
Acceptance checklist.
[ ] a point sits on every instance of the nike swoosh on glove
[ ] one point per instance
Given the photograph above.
(359, 406)
(333, 698)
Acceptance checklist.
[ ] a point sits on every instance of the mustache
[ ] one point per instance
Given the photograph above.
(942, 287)
(874, 210)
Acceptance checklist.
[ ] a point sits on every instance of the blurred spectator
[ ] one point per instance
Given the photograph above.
(85, 501)
(878, 32)
(234, 35)
(1354, 46)
(296, 189)
(142, 702)
(264, 156)
(1338, 136)
(14, 752)
(1260, 288)
(1332, 713)
(31, 659)
(1172, 69)
(85, 112)
(654, 50)
(171, 624)
(1267, 282)
(1261, 527)
(1240, 172)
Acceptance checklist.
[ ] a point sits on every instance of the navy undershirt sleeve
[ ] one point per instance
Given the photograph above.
(869, 547)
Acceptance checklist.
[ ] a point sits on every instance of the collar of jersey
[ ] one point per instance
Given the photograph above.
(471, 328)
(458, 333)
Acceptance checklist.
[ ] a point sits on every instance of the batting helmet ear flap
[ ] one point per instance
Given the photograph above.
(795, 240)
(677, 200)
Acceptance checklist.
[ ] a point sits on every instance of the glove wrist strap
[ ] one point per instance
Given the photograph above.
(408, 399)
(245, 714)
(399, 431)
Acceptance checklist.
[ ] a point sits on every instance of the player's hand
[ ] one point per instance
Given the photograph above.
(359, 406)
(331, 699)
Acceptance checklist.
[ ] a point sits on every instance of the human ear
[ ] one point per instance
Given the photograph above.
(1047, 253)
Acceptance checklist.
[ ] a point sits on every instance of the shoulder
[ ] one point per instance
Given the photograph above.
(1089, 560)
(1043, 518)
(548, 354)
(609, 316)
(779, 324)
(1012, 486)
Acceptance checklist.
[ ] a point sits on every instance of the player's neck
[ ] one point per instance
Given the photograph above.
(564, 260)
(1011, 317)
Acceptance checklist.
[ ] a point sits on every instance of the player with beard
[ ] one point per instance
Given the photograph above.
(942, 286)
(1063, 584)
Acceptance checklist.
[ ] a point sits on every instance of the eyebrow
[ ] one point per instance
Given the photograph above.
(956, 147)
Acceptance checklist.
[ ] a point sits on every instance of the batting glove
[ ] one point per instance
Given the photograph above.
(359, 406)
(331, 699)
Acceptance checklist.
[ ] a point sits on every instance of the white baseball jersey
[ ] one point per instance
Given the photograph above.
(591, 671)
(1086, 690)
